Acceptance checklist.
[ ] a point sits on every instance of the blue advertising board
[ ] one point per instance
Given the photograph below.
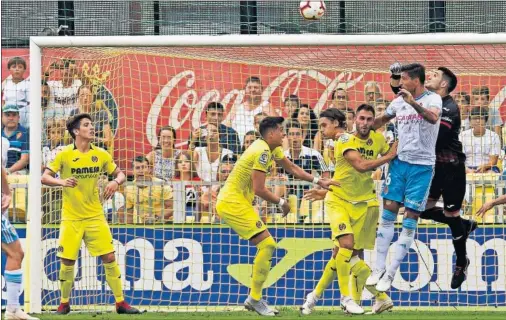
(211, 266)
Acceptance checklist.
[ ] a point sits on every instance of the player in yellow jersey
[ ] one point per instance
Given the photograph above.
(352, 208)
(79, 166)
(235, 199)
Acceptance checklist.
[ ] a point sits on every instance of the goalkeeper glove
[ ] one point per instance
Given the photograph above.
(395, 70)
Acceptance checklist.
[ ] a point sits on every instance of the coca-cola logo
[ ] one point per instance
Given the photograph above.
(288, 82)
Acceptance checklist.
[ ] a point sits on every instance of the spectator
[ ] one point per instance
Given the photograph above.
(480, 97)
(208, 158)
(18, 154)
(257, 119)
(308, 159)
(372, 92)
(64, 92)
(388, 130)
(463, 100)
(86, 104)
(481, 146)
(228, 136)
(291, 103)
(209, 196)
(185, 171)
(55, 131)
(308, 122)
(249, 138)
(17, 89)
(241, 117)
(339, 99)
(162, 159)
(147, 200)
(350, 121)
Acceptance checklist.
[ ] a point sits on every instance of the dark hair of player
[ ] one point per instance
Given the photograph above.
(292, 124)
(75, 122)
(15, 61)
(481, 91)
(415, 70)
(269, 123)
(214, 106)
(479, 112)
(334, 114)
(140, 159)
(368, 108)
(450, 77)
(158, 146)
(253, 79)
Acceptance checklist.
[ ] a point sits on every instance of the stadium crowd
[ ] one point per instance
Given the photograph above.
(207, 160)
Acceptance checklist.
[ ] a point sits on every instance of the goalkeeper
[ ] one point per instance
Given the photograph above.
(80, 166)
(234, 204)
(353, 208)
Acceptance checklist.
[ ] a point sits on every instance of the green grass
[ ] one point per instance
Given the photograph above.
(291, 313)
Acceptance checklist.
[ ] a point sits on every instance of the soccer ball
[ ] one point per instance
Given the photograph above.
(312, 10)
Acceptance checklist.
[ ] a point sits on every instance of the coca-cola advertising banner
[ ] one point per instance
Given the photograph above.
(145, 91)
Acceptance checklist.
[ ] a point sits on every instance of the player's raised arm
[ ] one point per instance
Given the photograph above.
(385, 118)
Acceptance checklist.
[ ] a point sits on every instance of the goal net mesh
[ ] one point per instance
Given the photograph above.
(172, 248)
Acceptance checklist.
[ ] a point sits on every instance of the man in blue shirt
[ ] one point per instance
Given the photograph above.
(228, 136)
(17, 156)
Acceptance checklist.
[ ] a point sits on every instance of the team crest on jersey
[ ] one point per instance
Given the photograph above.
(342, 226)
(369, 142)
(259, 224)
(264, 158)
(344, 138)
(19, 135)
(94, 159)
(60, 249)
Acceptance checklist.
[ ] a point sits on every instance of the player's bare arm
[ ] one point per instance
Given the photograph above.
(6, 191)
(381, 121)
(490, 204)
(363, 165)
(258, 179)
(112, 186)
(299, 173)
(49, 179)
(430, 114)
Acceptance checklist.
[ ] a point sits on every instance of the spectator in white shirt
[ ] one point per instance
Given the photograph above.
(208, 158)
(241, 117)
(55, 131)
(16, 89)
(63, 93)
(481, 145)
(480, 97)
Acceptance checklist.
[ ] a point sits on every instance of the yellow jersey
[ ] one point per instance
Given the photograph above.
(82, 201)
(239, 185)
(148, 201)
(355, 186)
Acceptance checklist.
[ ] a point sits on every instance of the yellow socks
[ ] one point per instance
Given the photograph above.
(261, 266)
(66, 282)
(329, 274)
(360, 272)
(113, 278)
(343, 270)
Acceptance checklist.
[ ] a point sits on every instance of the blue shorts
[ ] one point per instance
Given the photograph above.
(9, 234)
(408, 183)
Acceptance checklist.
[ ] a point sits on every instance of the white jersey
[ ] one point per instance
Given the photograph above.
(244, 120)
(478, 149)
(5, 149)
(417, 137)
(18, 94)
(62, 99)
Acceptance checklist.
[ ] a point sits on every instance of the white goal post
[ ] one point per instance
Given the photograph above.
(34, 250)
